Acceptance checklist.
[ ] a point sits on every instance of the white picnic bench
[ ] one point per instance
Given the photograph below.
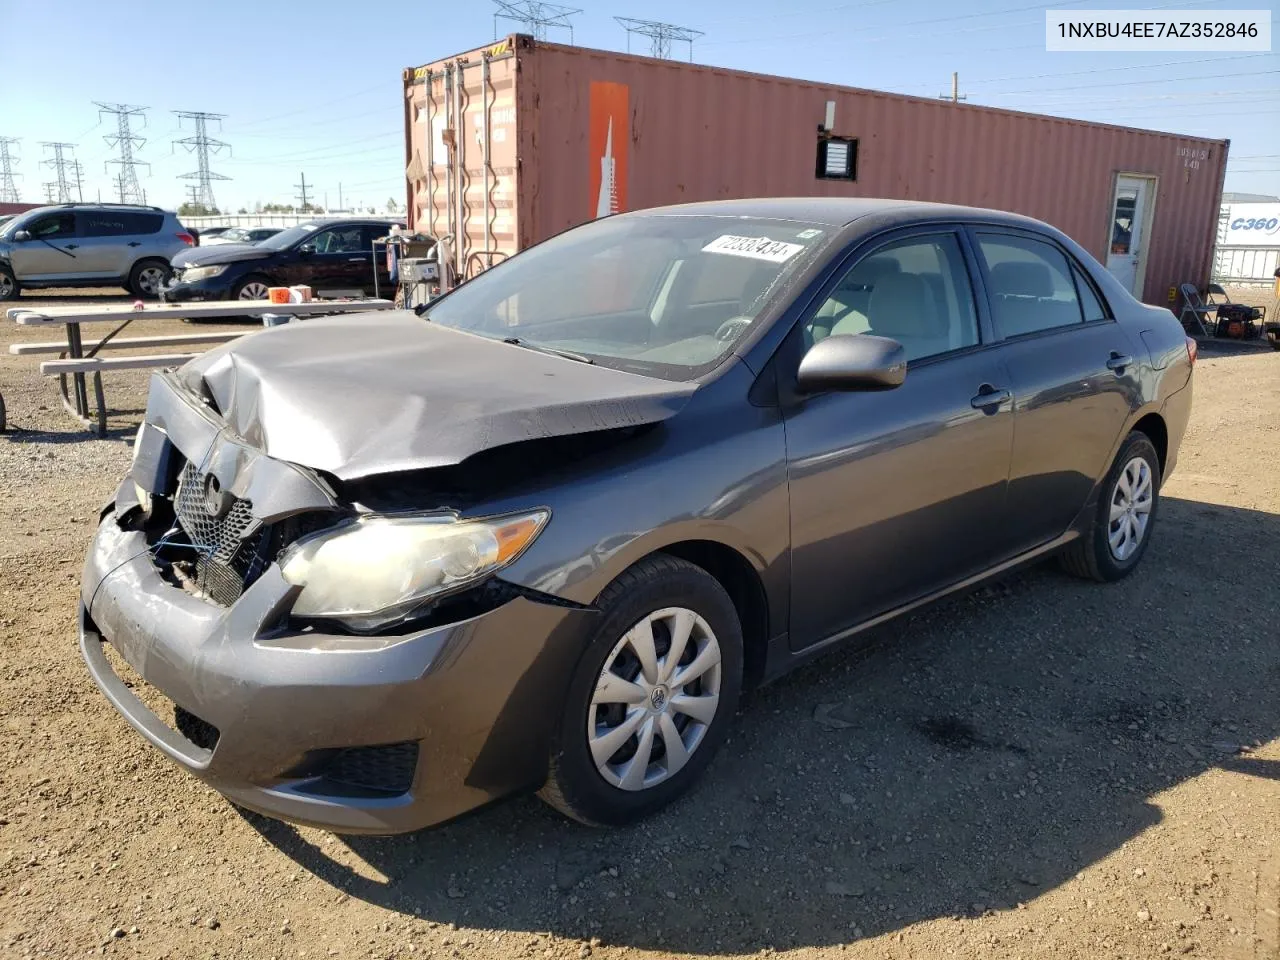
(78, 357)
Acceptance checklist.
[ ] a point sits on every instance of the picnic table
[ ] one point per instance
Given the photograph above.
(78, 358)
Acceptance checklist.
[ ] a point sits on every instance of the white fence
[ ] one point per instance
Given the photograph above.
(272, 219)
(1242, 265)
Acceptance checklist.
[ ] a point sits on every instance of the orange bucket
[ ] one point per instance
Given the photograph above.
(278, 294)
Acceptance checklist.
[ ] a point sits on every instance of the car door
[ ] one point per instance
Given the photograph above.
(898, 493)
(335, 260)
(1074, 373)
(51, 251)
(104, 235)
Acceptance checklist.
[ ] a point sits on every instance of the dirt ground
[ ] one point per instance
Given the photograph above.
(1043, 768)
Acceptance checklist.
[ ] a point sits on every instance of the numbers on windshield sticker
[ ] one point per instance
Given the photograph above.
(808, 234)
(758, 248)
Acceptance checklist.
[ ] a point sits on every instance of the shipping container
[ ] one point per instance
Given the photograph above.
(511, 143)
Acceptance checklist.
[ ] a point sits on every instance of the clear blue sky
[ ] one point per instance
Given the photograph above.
(316, 87)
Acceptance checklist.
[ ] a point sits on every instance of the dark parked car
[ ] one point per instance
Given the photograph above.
(389, 568)
(331, 256)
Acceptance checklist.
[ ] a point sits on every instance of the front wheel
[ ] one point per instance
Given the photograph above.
(1126, 514)
(652, 697)
(8, 285)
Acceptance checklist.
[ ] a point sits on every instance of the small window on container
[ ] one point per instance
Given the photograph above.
(837, 158)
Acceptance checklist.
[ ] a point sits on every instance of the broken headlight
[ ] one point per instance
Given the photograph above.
(378, 569)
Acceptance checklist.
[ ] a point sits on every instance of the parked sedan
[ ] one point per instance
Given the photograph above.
(391, 567)
(243, 235)
(332, 256)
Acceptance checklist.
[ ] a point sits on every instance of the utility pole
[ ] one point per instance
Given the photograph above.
(955, 96)
(660, 35)
(126, 141)
(193, 194)
(302, 195)
(8, 189)
(66, 174)
(340, 206)
(202, 145)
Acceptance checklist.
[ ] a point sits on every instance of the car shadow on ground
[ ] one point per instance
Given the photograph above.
(982, 752)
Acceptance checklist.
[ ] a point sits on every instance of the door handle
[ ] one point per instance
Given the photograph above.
(989, 397)
(134, 243)
(357, 259)
(1118, 362)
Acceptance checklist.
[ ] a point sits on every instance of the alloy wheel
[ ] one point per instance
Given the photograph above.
(253, 290)
(6, 286)
(150, 280)
(1131, 503)
(655, 699)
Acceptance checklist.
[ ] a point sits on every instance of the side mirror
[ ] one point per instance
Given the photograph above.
(852, 362)
(307, 249)
(21, 236)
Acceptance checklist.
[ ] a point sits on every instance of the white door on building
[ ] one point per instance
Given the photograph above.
(1131, 213)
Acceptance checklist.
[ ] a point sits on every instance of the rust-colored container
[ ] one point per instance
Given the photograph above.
(521, 139)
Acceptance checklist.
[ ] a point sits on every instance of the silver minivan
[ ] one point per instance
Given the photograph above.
(90, 245)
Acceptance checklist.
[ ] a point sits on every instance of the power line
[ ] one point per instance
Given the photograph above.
(8, 189)
(66, 185)
(126, 141)
(201, 144)
(535, 16)
(660, 35)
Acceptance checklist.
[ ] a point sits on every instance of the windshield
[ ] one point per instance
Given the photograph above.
(235, 233)
(665, 296)
(287, 238)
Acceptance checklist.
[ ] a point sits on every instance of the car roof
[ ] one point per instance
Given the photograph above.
(835, 211)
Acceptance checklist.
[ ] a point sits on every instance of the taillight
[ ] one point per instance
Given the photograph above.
(188, 239)
(1193, 349)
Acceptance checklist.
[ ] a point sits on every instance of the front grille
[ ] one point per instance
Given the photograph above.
(231, 550)
(387, 768)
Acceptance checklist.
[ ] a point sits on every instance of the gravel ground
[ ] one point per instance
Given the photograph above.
(1042, 768)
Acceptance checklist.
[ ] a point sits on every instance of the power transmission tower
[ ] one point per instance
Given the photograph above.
(301, 197)
(65, 186)
(126, 141)
(660, 35)
(535, 16)
(955, 96)
(193, 194)
(202, 145)
(8, 189)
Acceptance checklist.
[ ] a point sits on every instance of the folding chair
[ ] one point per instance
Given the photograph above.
(1194, 308)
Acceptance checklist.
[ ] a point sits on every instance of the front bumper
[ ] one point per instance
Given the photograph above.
(215, 288)
(478, 697)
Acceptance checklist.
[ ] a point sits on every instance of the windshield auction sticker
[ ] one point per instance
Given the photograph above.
(757, 248)
(1157, 30)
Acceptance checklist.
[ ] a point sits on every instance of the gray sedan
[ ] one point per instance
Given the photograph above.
(543, 534)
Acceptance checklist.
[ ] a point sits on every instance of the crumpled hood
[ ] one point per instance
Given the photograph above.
(219, 253)
(379, 392)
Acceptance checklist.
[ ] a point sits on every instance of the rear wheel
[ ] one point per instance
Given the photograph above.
(652, 697)
(147, 277)
(8, 285)
(1126, 514)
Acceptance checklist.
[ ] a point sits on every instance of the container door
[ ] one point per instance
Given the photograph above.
(1131, 213)
(463, 163)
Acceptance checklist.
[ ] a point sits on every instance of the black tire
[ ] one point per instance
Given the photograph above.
(1090, 557)
(9, 289)
(142, 282)
(574, 785)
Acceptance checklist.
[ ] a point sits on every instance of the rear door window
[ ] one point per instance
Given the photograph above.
(112, 223)
(1030, 285)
